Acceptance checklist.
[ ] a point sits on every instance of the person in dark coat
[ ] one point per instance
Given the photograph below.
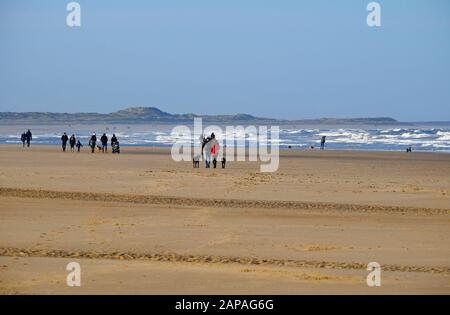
(322, 142)
(104, 141)
(64, 139)
(23, 138)
(113, 139)
(93, 142)
(29, 137)
(72, 142)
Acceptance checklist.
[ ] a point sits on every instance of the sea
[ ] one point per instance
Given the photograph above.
(393, 138)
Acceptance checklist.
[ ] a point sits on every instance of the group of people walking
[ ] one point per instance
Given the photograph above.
(210, 151)
(26, 137)
(73, 142)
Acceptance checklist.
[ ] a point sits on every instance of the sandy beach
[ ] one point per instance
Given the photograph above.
(140, 223)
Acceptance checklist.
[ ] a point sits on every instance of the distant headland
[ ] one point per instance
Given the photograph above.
(140, 115)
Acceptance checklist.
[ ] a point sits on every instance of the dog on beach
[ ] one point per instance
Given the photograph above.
(196, 161)
(223, 162)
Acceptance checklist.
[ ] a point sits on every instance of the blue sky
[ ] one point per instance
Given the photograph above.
(278, 58)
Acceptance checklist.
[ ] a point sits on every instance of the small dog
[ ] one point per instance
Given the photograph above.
(196, 161)
(223, 162)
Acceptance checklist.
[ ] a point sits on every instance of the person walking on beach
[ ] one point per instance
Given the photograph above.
(210, 147)
(322, 143)
(28, 137)
(104, 141)
(202, 141)
(113, 139)
(79, 145)
(23, 138)
(72, 142)
(214, 151)
(207, 151)
(64, 139)
(93, 142)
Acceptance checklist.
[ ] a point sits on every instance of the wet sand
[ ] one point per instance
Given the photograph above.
(140, 223)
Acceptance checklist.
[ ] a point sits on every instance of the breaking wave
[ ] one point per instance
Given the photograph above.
(420, 139)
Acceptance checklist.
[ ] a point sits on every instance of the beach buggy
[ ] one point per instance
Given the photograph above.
(116, 147)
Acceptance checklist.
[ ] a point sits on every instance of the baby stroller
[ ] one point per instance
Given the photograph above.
(116, 147)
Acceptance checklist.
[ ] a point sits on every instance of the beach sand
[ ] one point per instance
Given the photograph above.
(140, 223)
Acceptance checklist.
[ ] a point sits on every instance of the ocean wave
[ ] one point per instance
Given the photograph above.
(426, 139)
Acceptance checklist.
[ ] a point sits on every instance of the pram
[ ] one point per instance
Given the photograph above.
(116, 147)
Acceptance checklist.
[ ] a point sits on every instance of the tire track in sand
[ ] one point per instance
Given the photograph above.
(210, 259)
(215, 203)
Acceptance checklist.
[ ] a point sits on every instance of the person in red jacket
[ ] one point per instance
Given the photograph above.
(214, 151)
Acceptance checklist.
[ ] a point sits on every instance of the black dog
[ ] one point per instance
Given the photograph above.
(223, 162)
